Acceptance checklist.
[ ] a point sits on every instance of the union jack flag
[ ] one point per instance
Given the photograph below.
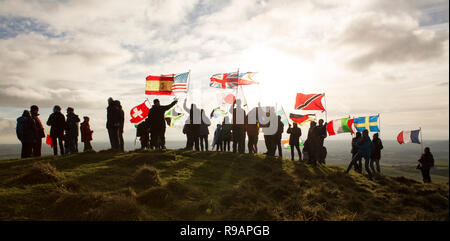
(231, 80)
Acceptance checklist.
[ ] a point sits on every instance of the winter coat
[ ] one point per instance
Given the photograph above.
(426, 160)
(72, 125)
(57, 122)
(156, 114)
(217, 136)
(39, 128)
(294, 138)
(26, 129)
(113, 117)
(86, 132)
(355, 140)
(204, 131)
(364, 147)
(377, 145)
(226, 132)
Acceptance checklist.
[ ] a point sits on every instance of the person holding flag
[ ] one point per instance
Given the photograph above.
(158, 123)
(426, 161)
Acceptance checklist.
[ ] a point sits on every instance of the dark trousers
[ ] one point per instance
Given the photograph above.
(277, 144)
(87, 146)
(238, 140)
(377, 163)
(121, 142)
(27, 148)
(204, 139)
(252, 144)
(36, 147)
(358, 163)
(426, 174)
(296, 146)
(270, 145)
(56, 141)
(72, 145)
(226, 146)
(219, 146)
(366, 163)
(114, 137)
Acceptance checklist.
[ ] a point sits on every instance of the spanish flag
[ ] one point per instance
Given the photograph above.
(159, 85)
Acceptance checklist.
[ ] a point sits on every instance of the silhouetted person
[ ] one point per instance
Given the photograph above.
(113, 123)
(142, 131)
(321, 130)
(364, 148)
(194, 122)
(187, 130)
(294, 140)
(25, 130)
(217, 141)
(226, 134)
(204, 132)
(312, 144)
(426, 161)
(57, 123)
(158, 123)
(278, 136)
(121, 114)
(86, 134)
(37, 142)
(358, 164)
(375, 153)
(238, 126)
(252, 128)
(72, 131)
(269, 139)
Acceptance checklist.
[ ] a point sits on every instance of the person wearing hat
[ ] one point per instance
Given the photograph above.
(72, 131)
(37, 141)
(86, 134)
(57, 123)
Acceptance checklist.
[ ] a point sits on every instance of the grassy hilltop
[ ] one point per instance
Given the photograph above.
(187, 185)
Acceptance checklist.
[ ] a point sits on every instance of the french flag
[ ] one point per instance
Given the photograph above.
(409, 136)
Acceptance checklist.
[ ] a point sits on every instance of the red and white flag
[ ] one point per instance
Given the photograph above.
(139, 113)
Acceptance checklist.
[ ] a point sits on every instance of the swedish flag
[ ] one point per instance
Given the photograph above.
(369, 123)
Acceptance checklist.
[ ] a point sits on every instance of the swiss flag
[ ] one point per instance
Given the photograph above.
(139, 113)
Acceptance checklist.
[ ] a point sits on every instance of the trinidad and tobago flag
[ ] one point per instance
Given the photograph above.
(309, 102)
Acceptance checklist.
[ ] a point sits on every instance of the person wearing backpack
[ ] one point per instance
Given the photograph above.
(426, 161)
(25, 131)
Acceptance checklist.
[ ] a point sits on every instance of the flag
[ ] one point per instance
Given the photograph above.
(217, 112)
(139, 113)
(172, 116)
(232, 80)
(309, 102)
(302, 119)
(339, 126)
(408, 136)
(159, 85)
(369, 123)
(286, 144)
(282, 114)
(49, 141)
(229, 99)
(180, 83)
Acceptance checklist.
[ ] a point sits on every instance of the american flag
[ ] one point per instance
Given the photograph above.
(180, 83)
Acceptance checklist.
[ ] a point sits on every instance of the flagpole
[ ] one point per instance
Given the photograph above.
(421, 140)
(326, 109)
(379, 123)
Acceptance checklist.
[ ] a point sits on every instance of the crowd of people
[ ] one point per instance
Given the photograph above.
(64, 132)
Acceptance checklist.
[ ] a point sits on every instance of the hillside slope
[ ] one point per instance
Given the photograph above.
(187, 185)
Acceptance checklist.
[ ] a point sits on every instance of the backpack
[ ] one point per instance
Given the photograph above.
(20, 127)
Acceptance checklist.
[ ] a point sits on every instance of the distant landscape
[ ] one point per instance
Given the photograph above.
(397, 160)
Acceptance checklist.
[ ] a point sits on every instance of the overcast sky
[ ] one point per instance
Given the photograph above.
(369, 57)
